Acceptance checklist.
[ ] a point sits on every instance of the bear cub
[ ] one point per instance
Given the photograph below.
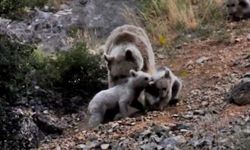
(119, 96)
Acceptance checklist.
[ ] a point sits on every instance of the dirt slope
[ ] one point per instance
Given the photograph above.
(208, 69)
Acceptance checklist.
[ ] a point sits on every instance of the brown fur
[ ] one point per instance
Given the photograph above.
(164, 91)
(122, 36)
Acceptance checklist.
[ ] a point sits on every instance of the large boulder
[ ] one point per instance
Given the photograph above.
(54, 31)
(49, 124)
(240, 92)
(102, 16)
(18, 130)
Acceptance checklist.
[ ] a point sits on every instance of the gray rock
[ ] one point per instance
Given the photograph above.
(105, 146)
(126, 143)
(246, 132)
(19, 130)
(173, 141)
(247, 75)
(49, 124)
(51, 31)
(149, 146)
(99, 15)
(240, 92)
(199, 112)
(93, 145)
(248, 37)
(188, 115)
(205, 142)
(202, 60)
(81, 146)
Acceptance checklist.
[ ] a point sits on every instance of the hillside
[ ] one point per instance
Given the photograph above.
(202, 120)
(52, 64)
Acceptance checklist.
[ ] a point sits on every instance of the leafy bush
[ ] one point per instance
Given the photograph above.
(15, 8)
(74, 72)
(79, 71)
(14, 67)
(25, 71)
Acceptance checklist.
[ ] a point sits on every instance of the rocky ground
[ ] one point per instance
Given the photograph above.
(202, 120)
(56, 29)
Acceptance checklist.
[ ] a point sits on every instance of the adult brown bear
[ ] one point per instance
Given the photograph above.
(128, 47)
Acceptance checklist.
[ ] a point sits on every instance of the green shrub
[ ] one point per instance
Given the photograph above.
(14, 68)
(75, 72)
(15, 8)
(25, 71)
(79, 71)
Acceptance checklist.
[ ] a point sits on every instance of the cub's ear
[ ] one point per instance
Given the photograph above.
(133, 73)
(167, 74)
(108, 58)
(129, 54)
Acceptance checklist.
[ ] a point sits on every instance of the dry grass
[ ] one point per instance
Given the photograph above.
(56, 3)
(167, 19)
(181, 14)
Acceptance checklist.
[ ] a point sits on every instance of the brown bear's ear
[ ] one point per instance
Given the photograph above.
(129, 54)
(167, 75)
(133, 73)
(108, 58)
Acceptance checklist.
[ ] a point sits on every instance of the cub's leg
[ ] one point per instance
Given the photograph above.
(123, 105)
(96, 116)
(95, 119)
(175, 92)
(162, 104)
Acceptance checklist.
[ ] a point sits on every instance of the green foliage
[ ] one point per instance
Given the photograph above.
(79, 72)
(25, 70)
(15, 8)
(75, 72)
(14, 67)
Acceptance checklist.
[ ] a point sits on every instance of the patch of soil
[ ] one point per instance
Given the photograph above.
(202, 111)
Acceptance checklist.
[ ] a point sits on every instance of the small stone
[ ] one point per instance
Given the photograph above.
(175, 115)
(83, 2)
(45, 112)
(247, 75)
(81, 146)
(246, 132)
(237, 40)
(239, 93)
(104, 146)
(204, 103)
(115, 125)
(160, 56)
(64, 6)
(189, 115)
(248, 37)
(173, 141)
(184, 130)
(178, 46)
(58, 147)
(199, 112)
(46, 8)
(202, 60)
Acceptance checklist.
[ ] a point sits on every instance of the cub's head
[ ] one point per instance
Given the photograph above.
(162, 82)
(238, 9)
(122, 61)
(232, 7)
(140, 79)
